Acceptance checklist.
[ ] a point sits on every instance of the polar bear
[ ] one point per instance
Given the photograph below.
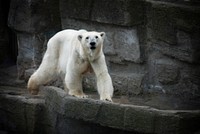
(70, 54)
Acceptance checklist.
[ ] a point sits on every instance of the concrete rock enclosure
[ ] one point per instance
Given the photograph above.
(151, 46)
(152, 52)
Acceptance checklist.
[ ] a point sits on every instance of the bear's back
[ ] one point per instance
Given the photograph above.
(62, 44)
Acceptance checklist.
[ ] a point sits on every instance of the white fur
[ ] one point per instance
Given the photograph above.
(69, 55)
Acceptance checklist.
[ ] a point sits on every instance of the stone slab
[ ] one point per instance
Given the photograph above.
(141, 119)
(53, 109)
(30, 51)
(173, 29)
(125, 13)
(34, 16)
(129, 84)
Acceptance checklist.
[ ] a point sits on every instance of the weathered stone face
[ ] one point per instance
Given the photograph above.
(35, 22)
(31, 49)
(34, 16)
(172, 34)
(127, 45)
(165, 71)
(129, 85)
(174, 29)
(4, 40)
(125, 13)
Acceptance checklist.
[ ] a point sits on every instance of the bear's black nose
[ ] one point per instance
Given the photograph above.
(92, 44)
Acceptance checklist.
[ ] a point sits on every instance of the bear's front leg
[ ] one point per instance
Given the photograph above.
(73, 83)
(104, 82)
(105, 87)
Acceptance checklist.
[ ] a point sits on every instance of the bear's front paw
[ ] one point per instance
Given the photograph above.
(78, 94)
(107, 98)
(81, 96)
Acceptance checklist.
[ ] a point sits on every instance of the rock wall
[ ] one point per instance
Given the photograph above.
(34, 22)
(3, 31)
(173, 57)
(151, 46)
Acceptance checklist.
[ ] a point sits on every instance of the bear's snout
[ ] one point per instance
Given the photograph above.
(92, 45)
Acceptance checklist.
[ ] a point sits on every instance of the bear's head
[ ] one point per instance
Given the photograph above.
(92, 40)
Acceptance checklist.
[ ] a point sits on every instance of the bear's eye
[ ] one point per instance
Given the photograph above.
(96, 37)
(87, 38)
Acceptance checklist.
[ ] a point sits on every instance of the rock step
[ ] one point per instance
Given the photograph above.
(56, 112)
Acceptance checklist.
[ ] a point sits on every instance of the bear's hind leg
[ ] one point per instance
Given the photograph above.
(39, 78)
(32, 86)
(45, 73)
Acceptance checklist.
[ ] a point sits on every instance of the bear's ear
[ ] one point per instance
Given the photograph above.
(103, 34)
(80, 37)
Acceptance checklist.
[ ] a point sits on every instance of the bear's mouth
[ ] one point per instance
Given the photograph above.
(92, 47)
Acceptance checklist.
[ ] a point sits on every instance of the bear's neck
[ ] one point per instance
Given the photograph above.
(94, 54)
(91, 55)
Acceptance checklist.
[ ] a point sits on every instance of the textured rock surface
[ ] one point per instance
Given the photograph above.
(129, 12)
(175, 29)
(173, 62)
(4, 35)
(34, 16)
(35, 22)
(132, 84)
(31, 50)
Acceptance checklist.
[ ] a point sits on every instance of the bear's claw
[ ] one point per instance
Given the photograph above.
(106, 99)
(79, 95)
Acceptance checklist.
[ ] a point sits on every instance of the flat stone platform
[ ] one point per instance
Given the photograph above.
(53, 111)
